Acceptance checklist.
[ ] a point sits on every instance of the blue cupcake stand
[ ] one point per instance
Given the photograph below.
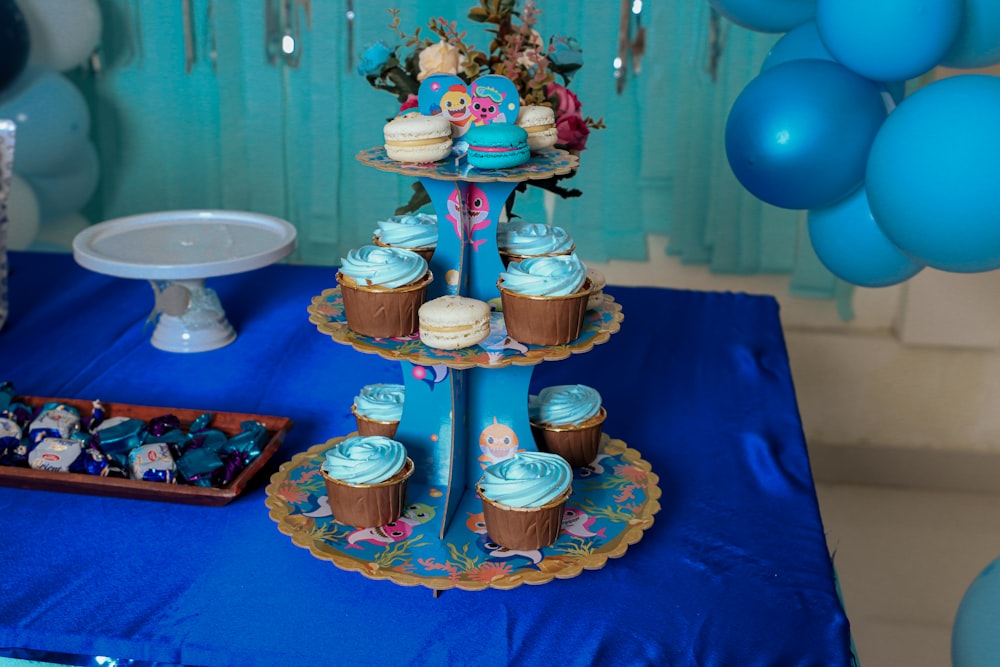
(464, 410)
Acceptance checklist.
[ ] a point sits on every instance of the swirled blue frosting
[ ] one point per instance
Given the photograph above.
(559, 275)
(564, 404)
(528, 479)
(408, 231)
(532, 238)
(365, 459)
(388, 267)
(381, 402)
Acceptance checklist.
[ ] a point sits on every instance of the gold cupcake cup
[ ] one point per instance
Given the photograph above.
(368, 505)
(524, 528)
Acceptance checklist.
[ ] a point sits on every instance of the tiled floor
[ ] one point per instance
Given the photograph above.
(905, 558)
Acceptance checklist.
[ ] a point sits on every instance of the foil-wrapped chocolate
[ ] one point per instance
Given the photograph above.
(54, 420)
(117, 436)
(56, 454)
(153, 462)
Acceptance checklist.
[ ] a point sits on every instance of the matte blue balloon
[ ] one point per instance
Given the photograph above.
(14, 42)
(52, 120)
(798, 135)
(932, 180)
(850, 244)
(766, 15)
(975, 641)
(68, 190)
(804, 42)
(888, 40)
(978, 40)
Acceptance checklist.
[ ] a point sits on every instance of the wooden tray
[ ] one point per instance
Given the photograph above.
(227, 422)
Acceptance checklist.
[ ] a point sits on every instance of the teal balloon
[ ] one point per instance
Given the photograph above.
(766, 15)
(15, 44)
(798, 135)
(932, 177)
(850, 244)
(889, 40)
(978, 40)
(804, 42)
(69, 189)
(975, 641)
(52, 118)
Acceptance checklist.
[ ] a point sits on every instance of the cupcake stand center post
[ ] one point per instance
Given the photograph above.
(457, 421)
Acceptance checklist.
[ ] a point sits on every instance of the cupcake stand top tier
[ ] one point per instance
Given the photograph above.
(463, 411)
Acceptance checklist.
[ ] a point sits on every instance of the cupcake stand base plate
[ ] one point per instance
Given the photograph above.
(613, 503)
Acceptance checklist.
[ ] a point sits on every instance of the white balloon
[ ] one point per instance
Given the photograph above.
(62, 33)
(22, 214)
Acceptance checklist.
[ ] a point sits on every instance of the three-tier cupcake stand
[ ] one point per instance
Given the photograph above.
(465, 409)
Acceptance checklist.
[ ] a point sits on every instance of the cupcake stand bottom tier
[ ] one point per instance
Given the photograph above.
(613, 503)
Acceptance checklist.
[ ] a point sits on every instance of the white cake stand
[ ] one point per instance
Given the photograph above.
(176, 251)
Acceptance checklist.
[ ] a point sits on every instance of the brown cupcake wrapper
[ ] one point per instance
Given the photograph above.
(368, 426)
(544, 320)
(524, 528)
(376, 311)
(578, 444)
(368, 505)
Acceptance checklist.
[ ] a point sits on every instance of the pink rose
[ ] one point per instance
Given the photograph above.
(410, 103)
(573, 132)
(565, 101)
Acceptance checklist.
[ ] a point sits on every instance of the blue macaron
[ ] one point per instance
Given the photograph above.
(497, 146)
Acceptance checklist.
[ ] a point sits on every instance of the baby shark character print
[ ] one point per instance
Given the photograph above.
(469, 214)
(497, 442)
(485, 106)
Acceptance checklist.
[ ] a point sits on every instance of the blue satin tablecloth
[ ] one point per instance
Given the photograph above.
(734, 571)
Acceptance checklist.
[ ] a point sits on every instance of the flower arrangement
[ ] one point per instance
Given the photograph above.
(516, 51)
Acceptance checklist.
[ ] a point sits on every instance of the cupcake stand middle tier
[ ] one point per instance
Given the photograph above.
(464, 410)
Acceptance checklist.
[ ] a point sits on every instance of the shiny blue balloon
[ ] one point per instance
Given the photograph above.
(975, 641)
(804, 42)
(52, 118)
(14, 42)
(766, 15)
(932, 176)
(978, 40)
(798, 135)
(850, 244)
(888, 40)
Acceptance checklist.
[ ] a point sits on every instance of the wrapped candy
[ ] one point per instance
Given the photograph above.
(54, 420)
(117, 436)
(153, 463)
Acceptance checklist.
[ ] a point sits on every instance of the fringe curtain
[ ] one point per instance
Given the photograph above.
(235, 131)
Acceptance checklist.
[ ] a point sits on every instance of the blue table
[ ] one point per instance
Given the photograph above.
(734, 571)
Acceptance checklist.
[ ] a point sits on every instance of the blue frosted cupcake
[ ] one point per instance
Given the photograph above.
(567, 420)
(366, 479)
(417, 232)
(383, 288)
(519, 240)
(523, 499)
(544, 299)
(377, 409)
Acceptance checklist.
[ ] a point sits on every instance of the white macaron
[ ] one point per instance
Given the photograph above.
(540, 124)
(417, 138)
(453, 322)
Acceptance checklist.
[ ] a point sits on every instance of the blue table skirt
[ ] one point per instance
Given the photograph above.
(734, 571)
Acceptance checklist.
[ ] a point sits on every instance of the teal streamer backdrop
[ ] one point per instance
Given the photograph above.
(239, 132)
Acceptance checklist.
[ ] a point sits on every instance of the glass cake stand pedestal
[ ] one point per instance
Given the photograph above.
(176, 251)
